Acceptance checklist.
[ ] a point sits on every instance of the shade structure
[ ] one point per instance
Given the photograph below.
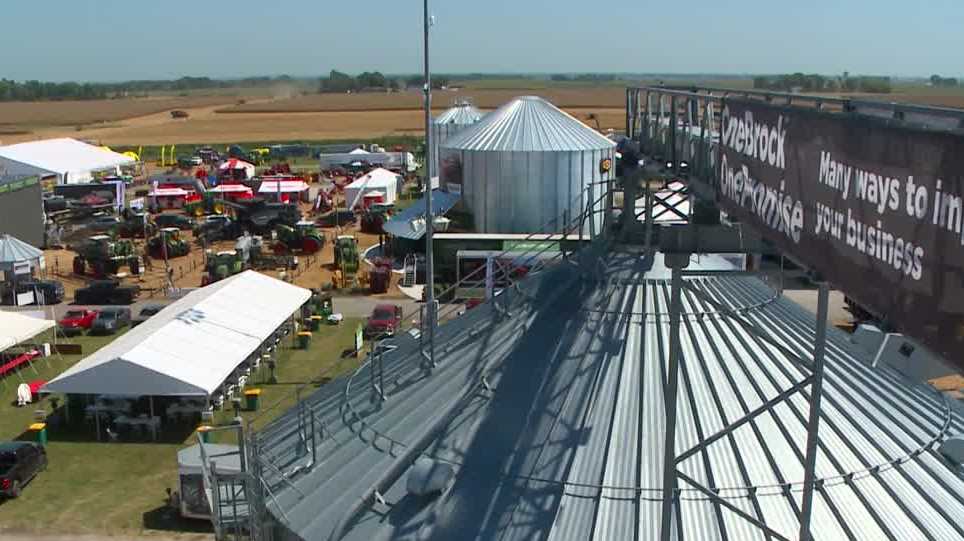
(14, 250)
(551, 411)
(16, 328)
(235, 164)
(71, 161)
(283, 186)
(190, 347)
(381, 180)
(410, 222)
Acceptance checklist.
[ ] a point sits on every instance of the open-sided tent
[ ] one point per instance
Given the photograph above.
(236, 168)
(16, 328)
(378, 180)
(190, 347)
(70, 160)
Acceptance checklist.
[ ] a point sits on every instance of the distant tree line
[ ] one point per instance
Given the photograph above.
(937, 80)
(47, 91)
(801, 82)
(339, 82)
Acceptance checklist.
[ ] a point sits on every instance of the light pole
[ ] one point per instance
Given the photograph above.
(429, 218)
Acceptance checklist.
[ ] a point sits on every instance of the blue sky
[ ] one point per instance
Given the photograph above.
(96, 40)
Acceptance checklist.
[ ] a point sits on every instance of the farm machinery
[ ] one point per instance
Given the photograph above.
(373, 218)
(304, 237)
(169, 243)
(260, 216)
(103, 256)
(346, 258)
(136, 225)
(207, 204)
(220, 265)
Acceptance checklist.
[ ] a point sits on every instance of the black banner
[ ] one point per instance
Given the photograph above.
(876, 208)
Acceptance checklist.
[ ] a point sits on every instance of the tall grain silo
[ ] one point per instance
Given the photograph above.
(525, 165)
(452, 121)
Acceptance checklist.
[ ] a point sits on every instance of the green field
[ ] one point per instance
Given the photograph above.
(116, 488)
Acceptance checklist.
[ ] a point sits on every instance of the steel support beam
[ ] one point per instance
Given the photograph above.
(767, 406)
(676, 262)
(813, 424)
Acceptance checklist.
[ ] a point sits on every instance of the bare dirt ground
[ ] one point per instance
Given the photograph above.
(314, 271)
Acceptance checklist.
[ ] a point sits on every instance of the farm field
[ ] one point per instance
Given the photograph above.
(267, 116)
(26, 116)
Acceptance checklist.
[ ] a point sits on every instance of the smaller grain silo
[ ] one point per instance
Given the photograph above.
(452, 121)
(525, 166)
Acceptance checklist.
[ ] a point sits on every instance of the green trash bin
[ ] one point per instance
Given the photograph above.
(40, 433)
(252, 398)
(304, 339)
(205, 432)
(314, 323)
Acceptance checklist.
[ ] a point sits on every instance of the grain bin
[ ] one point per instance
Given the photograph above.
(524, 166)
(452, 121)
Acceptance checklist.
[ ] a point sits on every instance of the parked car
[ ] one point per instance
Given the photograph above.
(103, 224)
(145, 313)
(77, 321)
(179, 221)
(385, 320)
(20, 462)
(111, 320)
(45, 291)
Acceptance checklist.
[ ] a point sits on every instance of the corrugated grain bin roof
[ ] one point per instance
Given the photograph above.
(529, 124)
(461, 114)
(551, 412)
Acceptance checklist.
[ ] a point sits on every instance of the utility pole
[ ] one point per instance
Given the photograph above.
(429, 218)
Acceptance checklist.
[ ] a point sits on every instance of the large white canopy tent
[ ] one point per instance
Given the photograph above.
(16, 328)
(377, 180)
(70, 160)
(190, 347)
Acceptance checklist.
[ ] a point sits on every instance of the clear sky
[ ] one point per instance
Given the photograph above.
(111, 40)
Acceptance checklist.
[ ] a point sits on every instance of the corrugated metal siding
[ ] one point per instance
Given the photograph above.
(568, 443)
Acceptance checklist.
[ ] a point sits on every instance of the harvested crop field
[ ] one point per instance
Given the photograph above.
(29, 115)
(206, 127)
(584, 97)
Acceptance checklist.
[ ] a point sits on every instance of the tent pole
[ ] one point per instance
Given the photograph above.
(67, 408)
(97, 419)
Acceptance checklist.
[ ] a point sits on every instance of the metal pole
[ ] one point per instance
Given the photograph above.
(153, 427)
(429, 218)
(676, 263)
(820, 342)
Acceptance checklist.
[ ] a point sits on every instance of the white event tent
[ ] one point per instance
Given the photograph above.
(377, 180)
(69, 160)
(16, 328)
(190, 347)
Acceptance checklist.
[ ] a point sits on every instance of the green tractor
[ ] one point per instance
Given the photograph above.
(168, 238)
(304, 237)
(208, 204)
(102, 256)
(136, 225)
(220, 265)
(346, 254)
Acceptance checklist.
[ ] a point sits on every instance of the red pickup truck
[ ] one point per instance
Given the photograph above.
(385, 320)
(77, 321)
